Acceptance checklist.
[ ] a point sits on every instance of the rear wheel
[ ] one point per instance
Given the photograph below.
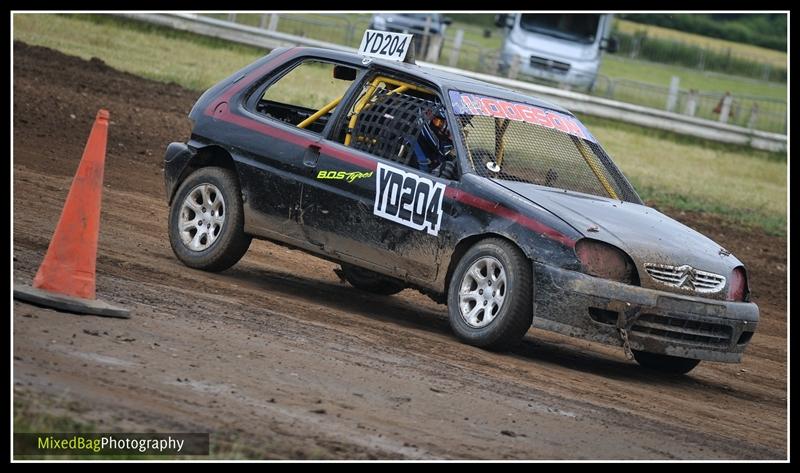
(371, 281)
(665, 363)
(206, 220)
(489, 297)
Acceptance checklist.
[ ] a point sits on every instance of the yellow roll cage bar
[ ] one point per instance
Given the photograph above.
(400, 87)
(593, 165)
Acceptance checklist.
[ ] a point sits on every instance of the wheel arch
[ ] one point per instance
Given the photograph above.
(468, 242)
(210, 155)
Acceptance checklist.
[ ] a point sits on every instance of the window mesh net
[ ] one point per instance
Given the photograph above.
(522, 152)
(389, 122)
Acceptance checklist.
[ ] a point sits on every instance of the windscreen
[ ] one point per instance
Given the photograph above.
(573, 27)
(514, 141)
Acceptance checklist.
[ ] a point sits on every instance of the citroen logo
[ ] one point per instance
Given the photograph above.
(687, 276)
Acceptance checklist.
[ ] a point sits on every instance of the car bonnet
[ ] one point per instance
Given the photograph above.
(645, 234)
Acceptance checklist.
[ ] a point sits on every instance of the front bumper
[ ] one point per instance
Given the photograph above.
(661, 322)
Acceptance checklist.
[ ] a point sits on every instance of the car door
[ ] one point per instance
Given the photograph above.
(373, 211)
(272, 184)
(277, 151)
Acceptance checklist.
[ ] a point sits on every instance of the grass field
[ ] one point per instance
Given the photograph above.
(661, 74)
(167, 57)
(772, 116)
(745, 185)
(769, 56)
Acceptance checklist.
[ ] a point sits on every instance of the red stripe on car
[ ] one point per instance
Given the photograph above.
(499, 210)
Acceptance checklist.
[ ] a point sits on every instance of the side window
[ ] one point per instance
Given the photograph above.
(310, 87)
(402, 121)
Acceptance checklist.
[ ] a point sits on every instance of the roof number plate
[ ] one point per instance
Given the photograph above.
(385, 45)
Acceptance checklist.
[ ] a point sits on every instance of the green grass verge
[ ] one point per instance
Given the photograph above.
(772, 224)
(739, 183)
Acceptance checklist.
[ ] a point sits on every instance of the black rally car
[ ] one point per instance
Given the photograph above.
(502, 206)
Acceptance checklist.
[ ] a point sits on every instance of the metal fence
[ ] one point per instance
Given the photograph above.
(333, 28)
(757, 113)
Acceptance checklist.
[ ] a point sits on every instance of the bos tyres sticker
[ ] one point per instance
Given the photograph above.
(408, 199)
(343, 175)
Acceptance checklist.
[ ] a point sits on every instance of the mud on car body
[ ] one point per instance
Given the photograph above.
(524, 220)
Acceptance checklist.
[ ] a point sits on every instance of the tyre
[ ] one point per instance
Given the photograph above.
(371, 281)
(665, 363)
(489, 298)
(206, 220)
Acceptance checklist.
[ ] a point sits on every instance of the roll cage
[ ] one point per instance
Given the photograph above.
(383, 81)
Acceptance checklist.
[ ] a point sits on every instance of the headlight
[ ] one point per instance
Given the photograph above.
(379, 22)
(737, 285)
(606, 261)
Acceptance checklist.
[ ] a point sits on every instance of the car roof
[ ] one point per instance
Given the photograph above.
(442, 79)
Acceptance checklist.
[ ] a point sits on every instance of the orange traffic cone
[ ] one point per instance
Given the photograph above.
(66, 278)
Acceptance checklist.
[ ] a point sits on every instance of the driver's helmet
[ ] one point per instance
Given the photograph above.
(435, 131)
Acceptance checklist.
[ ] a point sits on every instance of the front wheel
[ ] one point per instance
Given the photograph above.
(489, 297)
(665, 363)
(206, 220)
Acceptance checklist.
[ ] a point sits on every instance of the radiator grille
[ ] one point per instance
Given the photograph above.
(549, 64)
(686, 277)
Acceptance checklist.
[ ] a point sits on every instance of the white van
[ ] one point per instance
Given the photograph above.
(563, 48)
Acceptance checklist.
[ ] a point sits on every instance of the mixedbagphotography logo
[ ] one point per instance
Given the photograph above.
(111, 444)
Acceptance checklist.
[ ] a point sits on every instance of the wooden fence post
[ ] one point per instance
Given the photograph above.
(672, 96)
(456, 48)
(273, 22)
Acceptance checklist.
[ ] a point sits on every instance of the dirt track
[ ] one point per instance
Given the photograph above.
(277, 355)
